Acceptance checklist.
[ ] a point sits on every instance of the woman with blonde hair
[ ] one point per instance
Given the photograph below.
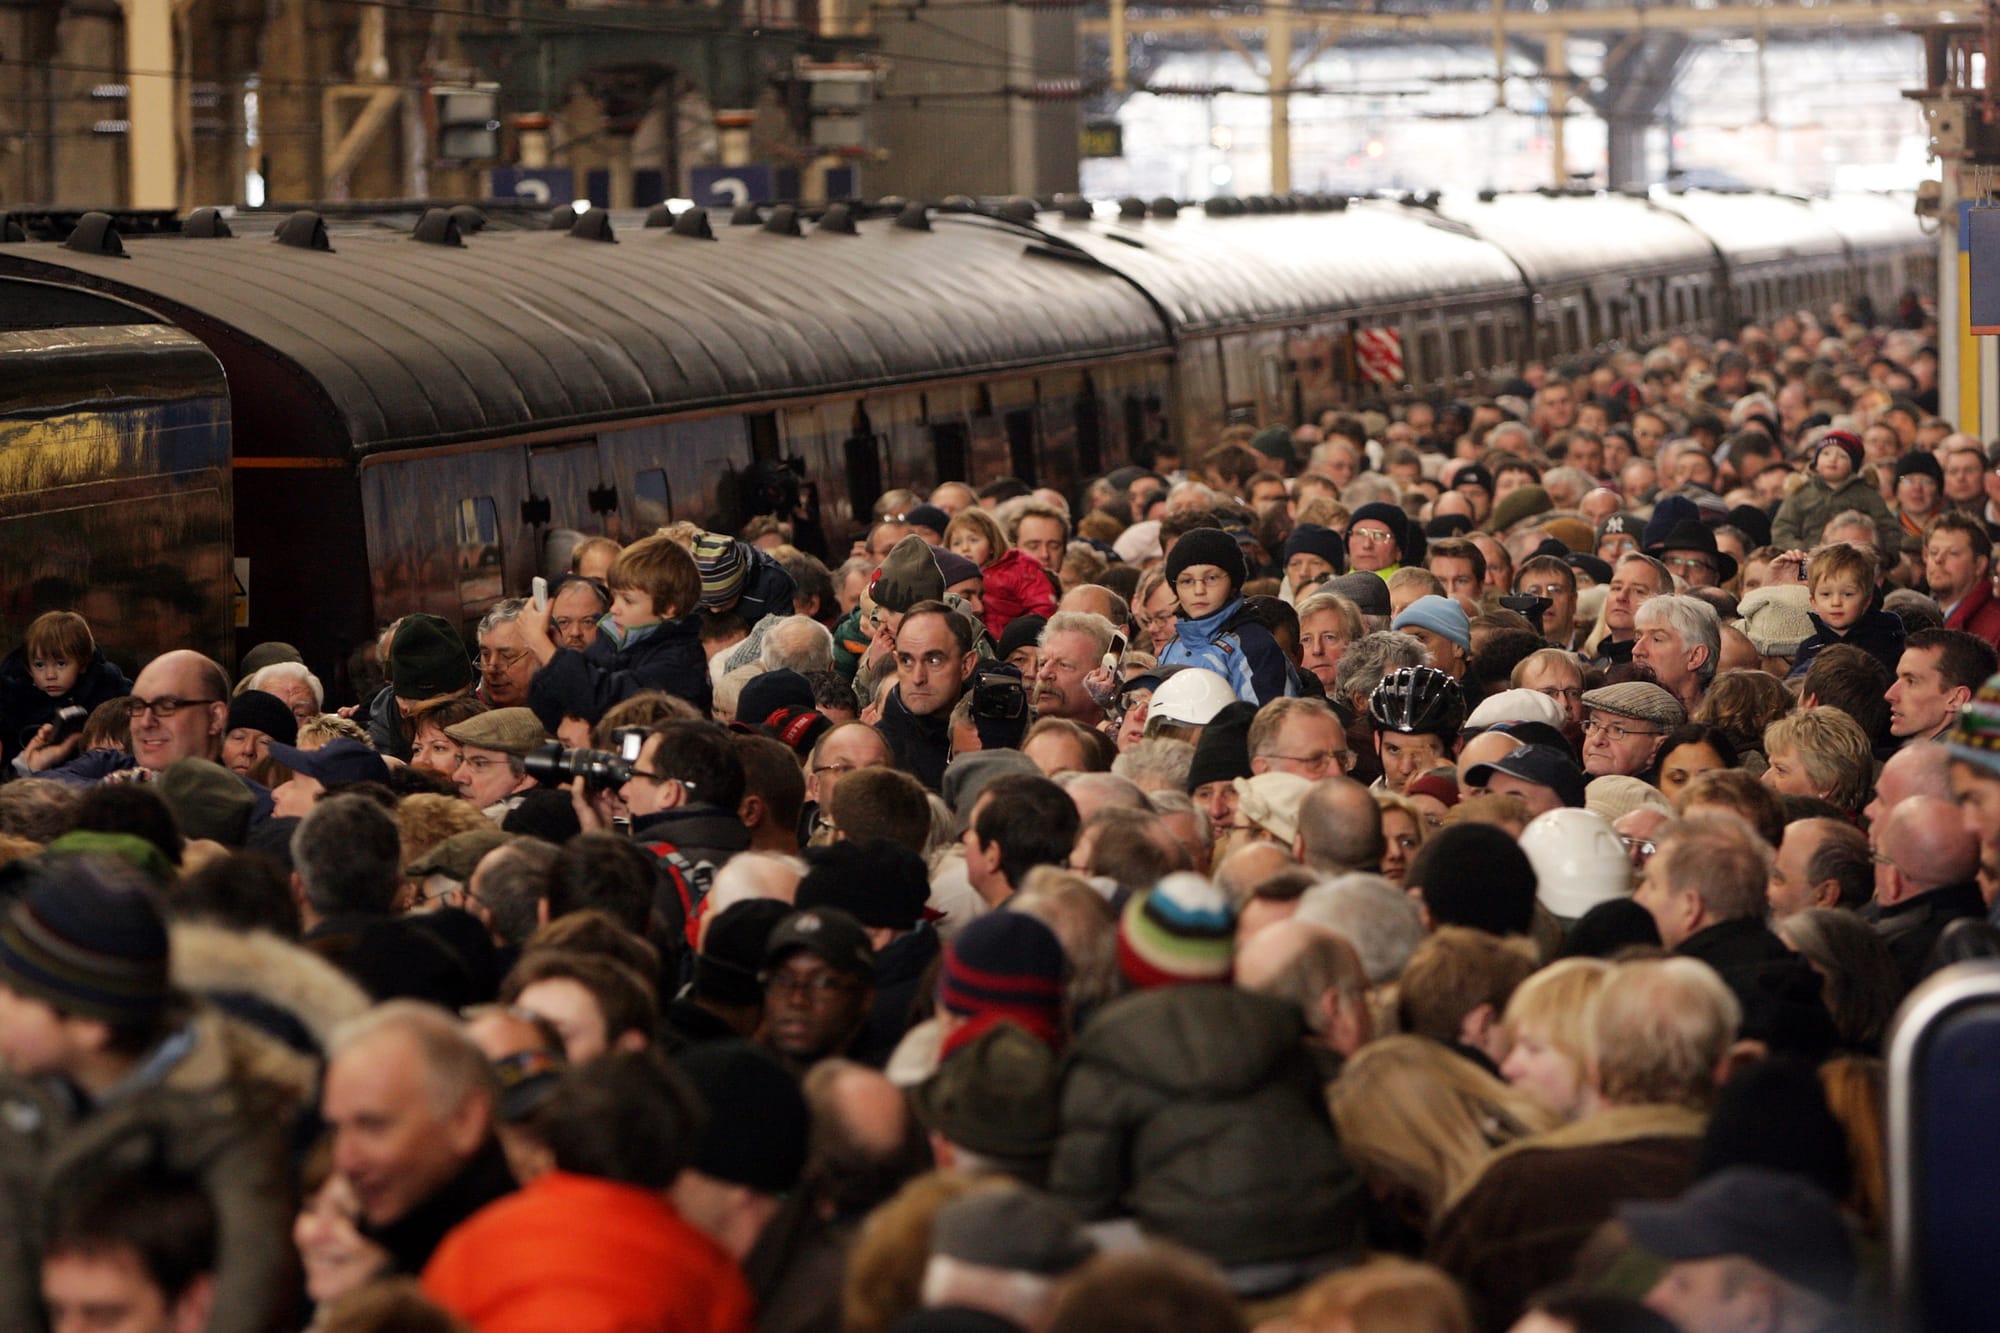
(1385, 1295)
(1548, 1030)
(1419, 1122)
(1403, 828)
(1015, 585)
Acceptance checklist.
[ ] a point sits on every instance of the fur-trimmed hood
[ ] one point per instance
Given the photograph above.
(210, 960)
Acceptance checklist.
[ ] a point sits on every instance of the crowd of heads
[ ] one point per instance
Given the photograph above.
(1445, 863)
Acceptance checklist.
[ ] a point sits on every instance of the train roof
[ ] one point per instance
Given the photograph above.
(1752, 228)
(1230, 272)
(415, 343)
(1874, 221)
(1563, 239)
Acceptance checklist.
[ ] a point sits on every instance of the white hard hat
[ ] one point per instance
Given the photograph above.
(1517, 706)
(1191, 696)
(1579, 862)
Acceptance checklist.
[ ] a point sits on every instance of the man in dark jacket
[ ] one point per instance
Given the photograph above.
(935, 657)
(410, 1101)
(1175, 1095)
(1705, 888)
(883, 886)
(683, 796)
(1925, 878)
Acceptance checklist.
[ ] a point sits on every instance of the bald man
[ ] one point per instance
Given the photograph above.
(1920, 768)
(1250, 865)
(1319, 971)
(1927, 882)
(1340, 828)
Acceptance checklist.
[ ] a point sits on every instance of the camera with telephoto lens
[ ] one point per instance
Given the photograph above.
(998, 694)
(1531, 607)
(601, 770)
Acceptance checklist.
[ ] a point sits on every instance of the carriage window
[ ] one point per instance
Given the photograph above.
(950, 444)
(1487, 359)
(481, 567)
(656, 497)
(1461, 351)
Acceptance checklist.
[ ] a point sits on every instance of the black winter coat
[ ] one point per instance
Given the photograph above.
(23, 706)
(586, 684)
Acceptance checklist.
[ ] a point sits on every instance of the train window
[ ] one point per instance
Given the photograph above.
(950, 442)
(1430, 364)
(655, 496)
(864, 471)
(481, 554)
(1089, 430)
(1510, 341)
(1572, 329)
(1461, 350)
(1021, 444)
(1487, 356)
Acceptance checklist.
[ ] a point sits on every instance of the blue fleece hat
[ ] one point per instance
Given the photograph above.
(1439, 615)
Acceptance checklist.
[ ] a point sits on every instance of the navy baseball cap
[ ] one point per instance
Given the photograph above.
(1778, 1221)
(340, 761)
(1537, 764)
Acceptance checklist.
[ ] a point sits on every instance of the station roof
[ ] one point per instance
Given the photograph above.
(415, 343)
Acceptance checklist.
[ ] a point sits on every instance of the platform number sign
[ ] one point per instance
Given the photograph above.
(1379, 353)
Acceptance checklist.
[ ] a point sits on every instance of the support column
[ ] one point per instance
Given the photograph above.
(154, 103)
(1625, 150)
(1121, 72)
(1278, 51)
(1556, 64)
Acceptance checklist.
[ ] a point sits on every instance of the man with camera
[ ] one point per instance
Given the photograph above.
(936, 650)
(683, 792)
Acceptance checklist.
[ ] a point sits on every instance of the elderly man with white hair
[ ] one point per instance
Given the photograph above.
(797, 643)
(1679, 639)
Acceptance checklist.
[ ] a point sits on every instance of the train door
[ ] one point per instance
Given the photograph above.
(570, 487)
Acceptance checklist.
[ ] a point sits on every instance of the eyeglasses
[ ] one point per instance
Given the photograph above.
(1617, 731)
(1548, 590)
(163, 707)
(1318, 761)
(1193, 582)
(481, 763)
(1561, 695)
(501, 657)
(1643, 846)
(652, 776)
(564, 624)
(1369, 536)
(1684, 564)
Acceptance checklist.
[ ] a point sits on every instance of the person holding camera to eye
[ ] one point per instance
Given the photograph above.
(936, 651)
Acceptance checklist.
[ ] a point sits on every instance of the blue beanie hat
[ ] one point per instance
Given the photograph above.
(1439, 615)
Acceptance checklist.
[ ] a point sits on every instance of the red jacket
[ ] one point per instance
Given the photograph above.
(1016, 586)
(1977, 613)
(587, 1255)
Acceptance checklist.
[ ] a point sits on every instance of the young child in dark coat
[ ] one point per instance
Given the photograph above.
(57, 666)
(651, 639)
(1840, 580)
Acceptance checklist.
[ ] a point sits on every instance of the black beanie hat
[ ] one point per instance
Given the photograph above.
(1312, 539)
(1223, 752)
(757, 1117)
(1475, 875)
(265, 712)
(1778, 1091)
(1020, 632)
(1209, 546)
(1609, 927)
(1919, 463)
(427, 658)
(732, 950)
(1393, 518)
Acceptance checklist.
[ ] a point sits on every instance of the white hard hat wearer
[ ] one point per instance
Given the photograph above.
(1516, 706)
(1191, 697)
(1579, 862)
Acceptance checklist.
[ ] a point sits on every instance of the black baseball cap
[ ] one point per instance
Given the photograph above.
(1538, 764)
(830, 935)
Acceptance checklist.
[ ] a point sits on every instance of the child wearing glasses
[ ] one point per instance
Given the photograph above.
(1206, 571)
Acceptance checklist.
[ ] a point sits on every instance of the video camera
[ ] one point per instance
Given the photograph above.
(601, 770)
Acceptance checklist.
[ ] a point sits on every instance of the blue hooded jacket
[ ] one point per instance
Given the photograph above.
(1245, 655)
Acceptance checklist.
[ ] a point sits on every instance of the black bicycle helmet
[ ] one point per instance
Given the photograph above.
(1420, 701)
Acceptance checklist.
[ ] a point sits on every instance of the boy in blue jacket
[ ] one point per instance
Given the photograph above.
(1206, 571)
(1840, 579)
(650, 640)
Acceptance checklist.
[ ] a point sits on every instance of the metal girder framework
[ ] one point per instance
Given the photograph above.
(1725, 18)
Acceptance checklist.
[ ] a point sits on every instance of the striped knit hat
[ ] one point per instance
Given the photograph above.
(1975, 738)
(87, 939)
(1003, 967)
(723, 570)
(1184, 930)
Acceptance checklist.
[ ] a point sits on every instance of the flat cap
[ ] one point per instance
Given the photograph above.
(1638, 699)
(509, 730)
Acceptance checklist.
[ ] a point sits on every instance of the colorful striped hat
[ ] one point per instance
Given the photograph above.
(723, 569)
(87, 939)
(1183, 930)
(1003, 967)
(1975, 738)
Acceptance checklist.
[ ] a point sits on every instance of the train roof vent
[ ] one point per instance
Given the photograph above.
(469, 219)
(95, 234)
(838, 220)
(1075, 207)
(693, 224)
(206, 224)
(784, 221)
(562, 219)
(1488, 196)
(1216, 206)
(659, 215)
(304, 230)
(914, 216)
(1257, 203)
(1132, 208)
(1165, 207)
(1020, 208)
(958, 203)
(594, 225)
(746, 215)
(11, 228)
(438, 227)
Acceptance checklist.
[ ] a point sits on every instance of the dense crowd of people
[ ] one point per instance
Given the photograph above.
(1448, 865)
